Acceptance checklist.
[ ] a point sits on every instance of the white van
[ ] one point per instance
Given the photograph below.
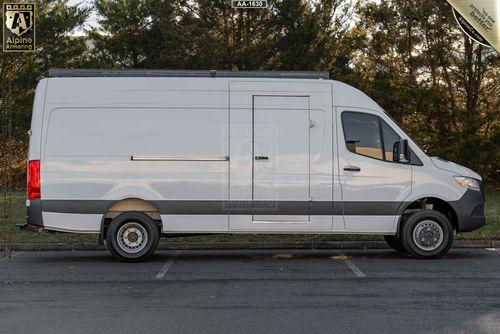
(135, 155)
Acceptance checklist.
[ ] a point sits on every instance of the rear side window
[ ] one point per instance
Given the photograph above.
(369, 135)
(362, 134)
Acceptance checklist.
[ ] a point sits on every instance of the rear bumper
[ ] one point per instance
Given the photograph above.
(470, 211)
(34, 214)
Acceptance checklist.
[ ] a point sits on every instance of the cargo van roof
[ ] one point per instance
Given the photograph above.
(57, 72)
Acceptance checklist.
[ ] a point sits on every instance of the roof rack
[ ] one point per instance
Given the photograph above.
(77, 72)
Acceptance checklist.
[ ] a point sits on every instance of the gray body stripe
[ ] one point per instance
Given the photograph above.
(371, 208)
(77, 206)
(201, 207)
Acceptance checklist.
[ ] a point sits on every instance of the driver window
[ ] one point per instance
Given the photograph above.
(362, 134)
(366, 134)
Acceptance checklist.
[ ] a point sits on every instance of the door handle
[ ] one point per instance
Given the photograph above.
(352, 169)
(261, 157)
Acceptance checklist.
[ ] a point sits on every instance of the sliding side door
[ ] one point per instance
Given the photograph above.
(280, 172)
(281, 159)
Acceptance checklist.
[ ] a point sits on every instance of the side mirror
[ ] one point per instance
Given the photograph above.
(400, 151)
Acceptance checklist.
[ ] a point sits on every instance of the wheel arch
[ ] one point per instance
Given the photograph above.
(428, 203)
(129, 204)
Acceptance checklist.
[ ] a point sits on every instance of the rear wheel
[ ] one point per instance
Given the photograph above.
(427, 234)
(394, 243)
(132, 236)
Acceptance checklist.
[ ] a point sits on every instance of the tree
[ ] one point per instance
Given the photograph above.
(122, 35)
(308, 35)
(222, 37)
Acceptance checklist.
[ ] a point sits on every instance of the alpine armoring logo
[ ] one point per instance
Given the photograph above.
(478, 19)
(18, 27)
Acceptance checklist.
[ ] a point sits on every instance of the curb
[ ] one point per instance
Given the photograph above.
(245, 245)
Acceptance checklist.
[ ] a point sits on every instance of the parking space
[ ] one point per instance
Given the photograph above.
(265, 291)
(258, 265)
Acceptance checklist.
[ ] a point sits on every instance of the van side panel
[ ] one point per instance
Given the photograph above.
(94, 130)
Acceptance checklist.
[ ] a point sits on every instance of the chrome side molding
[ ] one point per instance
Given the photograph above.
(280, 222)
(176, 158)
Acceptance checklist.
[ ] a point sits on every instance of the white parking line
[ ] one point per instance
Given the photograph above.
(352, 266)
(167, 265)
(11, 256)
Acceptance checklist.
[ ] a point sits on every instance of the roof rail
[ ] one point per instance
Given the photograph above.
(77, 72)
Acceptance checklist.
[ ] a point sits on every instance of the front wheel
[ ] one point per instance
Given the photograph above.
(132, 236)
(426, 234)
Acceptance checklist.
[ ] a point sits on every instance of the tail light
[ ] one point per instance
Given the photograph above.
(33, 186)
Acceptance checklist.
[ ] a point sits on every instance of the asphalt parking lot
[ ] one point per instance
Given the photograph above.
(265, 291)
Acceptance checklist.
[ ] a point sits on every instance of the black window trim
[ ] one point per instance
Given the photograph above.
(380, 120)
(381, 134)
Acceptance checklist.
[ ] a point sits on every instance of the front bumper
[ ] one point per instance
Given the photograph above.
(470, 211)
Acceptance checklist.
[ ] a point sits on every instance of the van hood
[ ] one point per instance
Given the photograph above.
(455, 168)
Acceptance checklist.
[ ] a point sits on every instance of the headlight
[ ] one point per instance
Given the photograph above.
(468, 182)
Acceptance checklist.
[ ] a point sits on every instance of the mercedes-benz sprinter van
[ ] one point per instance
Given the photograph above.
(136, 155)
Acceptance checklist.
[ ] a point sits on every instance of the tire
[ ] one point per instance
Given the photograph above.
(132, 237)
(394, 243)
(426, 234)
